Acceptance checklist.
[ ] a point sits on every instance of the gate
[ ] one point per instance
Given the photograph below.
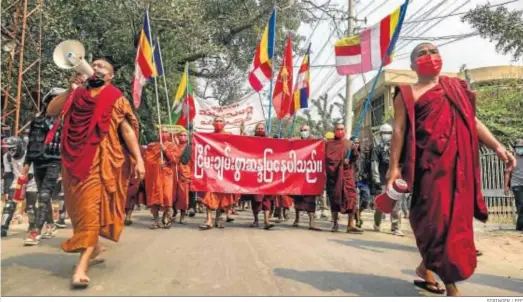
(501, 207)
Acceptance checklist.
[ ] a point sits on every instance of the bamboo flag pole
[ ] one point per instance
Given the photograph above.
(167, 99)
(156, 92)
(272, 68)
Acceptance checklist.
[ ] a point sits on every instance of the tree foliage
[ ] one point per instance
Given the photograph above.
(500, 108)
(217, 38)
(501, 25)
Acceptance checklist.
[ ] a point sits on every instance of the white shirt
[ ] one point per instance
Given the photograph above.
(16, 167)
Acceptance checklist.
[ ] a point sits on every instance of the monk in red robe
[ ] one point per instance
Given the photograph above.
(260, 202)
(306, 203)
(135, 194)
(183, 175)
(99, 150)
(341, 186)
(159, 173)
(436, 141)
(213, 201)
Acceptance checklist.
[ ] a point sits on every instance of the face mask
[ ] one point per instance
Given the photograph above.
(429, 65)
(519, 151)
(259, 133)
(182, 139)
(12, 151)
(304, 134)
(386, 137)
(218, 127)
(339, 134)
(97, 80)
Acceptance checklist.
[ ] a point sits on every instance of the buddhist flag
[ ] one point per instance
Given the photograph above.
(183, 106)
(157, 60)
(303, 84)
(282, 99)
(364, 52)
(261, 71)
(144, 68)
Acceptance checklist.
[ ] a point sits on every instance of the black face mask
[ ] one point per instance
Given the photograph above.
(97, 80)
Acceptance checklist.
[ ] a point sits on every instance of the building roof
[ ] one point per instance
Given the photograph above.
(394, 77)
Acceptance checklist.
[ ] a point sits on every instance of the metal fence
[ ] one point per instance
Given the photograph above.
(501, 207)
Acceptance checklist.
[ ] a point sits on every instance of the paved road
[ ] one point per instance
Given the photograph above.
(241, 261)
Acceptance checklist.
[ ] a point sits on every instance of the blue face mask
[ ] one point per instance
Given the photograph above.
(519, 150)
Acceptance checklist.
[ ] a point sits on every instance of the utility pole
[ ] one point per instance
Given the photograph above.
(348, 91)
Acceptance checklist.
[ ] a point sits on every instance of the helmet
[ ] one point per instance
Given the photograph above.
(386, 128)
(15, 146)
(518, 143)
(50, 95)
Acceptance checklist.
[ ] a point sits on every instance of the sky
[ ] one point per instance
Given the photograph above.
(474, 51)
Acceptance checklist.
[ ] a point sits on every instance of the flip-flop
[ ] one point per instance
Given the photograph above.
(79, 284)
(425, 285)
(268, 227)
(128, 222)
(205, 227)
(354, 231)
(315, 229)
(229, 220)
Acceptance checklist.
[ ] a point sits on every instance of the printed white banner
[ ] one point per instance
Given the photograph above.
(248, 110)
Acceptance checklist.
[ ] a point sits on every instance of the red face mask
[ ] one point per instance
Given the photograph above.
(218, 127)
(339, 134)
(259, 133)
(429, 65)
(182, 139)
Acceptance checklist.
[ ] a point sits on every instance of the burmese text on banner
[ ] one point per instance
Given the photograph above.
(248, 111)
(254, 165)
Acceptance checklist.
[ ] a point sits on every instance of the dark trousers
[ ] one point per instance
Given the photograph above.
(46, 176)
(518, 195)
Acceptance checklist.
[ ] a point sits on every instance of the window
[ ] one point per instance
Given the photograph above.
(377, 110)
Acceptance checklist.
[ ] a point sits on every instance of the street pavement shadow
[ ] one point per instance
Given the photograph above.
(352, 283)
(511, 284)
(60, 265)
(375, 246)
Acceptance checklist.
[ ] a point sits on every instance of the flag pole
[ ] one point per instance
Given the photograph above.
(291, 133)
(165, 85)
(156, 92)
(375, 82)
(187, 98)
(272, 67)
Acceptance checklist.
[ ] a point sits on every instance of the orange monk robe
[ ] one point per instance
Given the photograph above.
(222, 201)
(96, 205)
(160, 178)
(182, 181)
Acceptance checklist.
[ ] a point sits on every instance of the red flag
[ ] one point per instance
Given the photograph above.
(282, 97)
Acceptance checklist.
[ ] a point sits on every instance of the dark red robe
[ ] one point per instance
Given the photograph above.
(341, 187)
(440, 159)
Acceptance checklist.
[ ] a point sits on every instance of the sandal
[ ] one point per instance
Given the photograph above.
(229, 219)
(268, 226)
(315, 229)
(154, 226)
(354, 231)
(205, 227)
(430, 287)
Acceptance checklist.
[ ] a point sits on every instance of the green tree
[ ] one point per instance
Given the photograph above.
(218, 38)
(500, 108)
(325, 111)
(501, 25)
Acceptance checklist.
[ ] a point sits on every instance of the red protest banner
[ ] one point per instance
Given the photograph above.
(255, 165)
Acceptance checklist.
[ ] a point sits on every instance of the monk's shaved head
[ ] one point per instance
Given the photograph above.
(421, 49)
(339, 126)
(219, 119)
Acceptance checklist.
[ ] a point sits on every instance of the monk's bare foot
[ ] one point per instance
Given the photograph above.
(429, 281)
(79, 280)
(452, 290)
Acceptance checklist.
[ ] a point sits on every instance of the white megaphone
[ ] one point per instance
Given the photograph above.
(70, 55)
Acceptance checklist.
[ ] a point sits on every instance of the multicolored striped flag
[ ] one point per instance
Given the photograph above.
(364, 52)
(157, 60)
(261, 71)
(302, 88)
(144, 67)
(183, 108)
(282, 98)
